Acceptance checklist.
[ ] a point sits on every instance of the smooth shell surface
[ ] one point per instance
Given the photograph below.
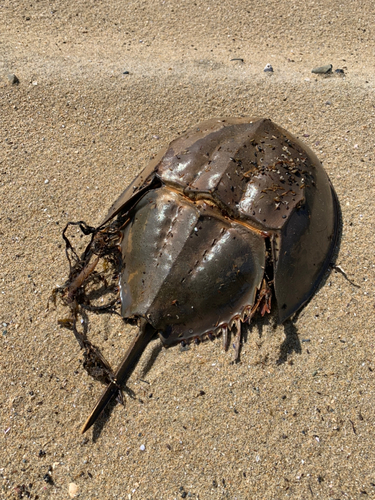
(259, 182)
(187, 269)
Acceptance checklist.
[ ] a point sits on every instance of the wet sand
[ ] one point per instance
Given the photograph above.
(295, 418)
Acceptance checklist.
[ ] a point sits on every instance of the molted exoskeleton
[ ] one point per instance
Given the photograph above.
(231, 212)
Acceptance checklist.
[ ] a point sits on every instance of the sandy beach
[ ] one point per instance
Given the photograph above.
(100, 87)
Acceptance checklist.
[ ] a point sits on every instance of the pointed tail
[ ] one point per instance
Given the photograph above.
(143, 337)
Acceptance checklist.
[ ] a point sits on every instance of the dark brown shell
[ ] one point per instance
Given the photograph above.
(257, 181)
(187, 269)
(227, 212)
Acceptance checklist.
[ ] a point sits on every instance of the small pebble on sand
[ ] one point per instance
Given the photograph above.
(73, 490)
(13, 79)
(323, 70)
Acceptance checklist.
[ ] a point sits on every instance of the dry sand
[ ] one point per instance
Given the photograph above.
(295, 419)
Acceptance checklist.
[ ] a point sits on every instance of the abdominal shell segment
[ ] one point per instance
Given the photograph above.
(186, 268)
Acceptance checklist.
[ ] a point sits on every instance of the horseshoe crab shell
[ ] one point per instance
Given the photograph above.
(255, 174)
(230, 212)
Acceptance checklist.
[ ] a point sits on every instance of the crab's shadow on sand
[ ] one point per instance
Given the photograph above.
(105, 416)
(291, 344)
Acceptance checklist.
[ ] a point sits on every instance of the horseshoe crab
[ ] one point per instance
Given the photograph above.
(231, 213)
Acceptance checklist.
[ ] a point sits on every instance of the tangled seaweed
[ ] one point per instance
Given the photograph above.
(86, 285)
